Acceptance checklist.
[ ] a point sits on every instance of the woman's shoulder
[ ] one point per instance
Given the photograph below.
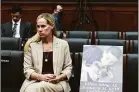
(61, 41)
(33, 42)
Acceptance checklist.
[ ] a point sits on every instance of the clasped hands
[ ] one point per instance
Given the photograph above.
(48, 78)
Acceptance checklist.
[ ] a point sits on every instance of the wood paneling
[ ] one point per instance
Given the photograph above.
(76, 0)
(123, 21)
(102, 15)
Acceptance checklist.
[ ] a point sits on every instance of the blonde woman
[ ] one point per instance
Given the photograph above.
(47, 60)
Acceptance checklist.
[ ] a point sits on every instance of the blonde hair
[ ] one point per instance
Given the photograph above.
(36, 38)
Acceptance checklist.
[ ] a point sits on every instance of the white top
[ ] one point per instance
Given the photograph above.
(17, 34)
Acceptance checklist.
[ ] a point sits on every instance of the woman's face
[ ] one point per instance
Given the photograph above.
(108, 59)
(43, 28)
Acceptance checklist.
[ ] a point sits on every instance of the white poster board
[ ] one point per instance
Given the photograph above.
(102, 69)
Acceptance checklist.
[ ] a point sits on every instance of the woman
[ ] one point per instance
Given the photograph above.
(47, 61)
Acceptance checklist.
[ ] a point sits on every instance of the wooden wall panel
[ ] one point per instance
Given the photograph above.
(68, 19)
(124, 21)
(31, 15)
(100, 17)
(108, 16)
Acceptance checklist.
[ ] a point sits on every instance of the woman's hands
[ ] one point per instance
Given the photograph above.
(54, 80)
(48, 78)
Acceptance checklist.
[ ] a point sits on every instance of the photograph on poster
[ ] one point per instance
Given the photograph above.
(101, 65)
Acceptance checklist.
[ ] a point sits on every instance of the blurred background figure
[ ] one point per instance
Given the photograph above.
(58, 15)
(16, 27)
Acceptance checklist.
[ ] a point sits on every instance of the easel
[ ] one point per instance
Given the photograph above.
(82, 17)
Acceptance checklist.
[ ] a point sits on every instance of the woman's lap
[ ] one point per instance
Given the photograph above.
(44, 87)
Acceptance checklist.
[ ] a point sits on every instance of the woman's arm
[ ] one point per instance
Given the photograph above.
(28, 64)
(39, 77)
(67, 66)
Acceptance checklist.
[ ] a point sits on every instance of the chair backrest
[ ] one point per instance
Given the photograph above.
(79, 34)
(77, 62)
(74, 79)
(76, 45)
(124, 72)
(132, 73)
(113, 42)
(10, 43)
(59, 34)
(11, 69)
(133, 46)
(107, 35)
(130, 35)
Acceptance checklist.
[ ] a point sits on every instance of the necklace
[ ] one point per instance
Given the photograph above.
(46, 57)
(46, 48)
